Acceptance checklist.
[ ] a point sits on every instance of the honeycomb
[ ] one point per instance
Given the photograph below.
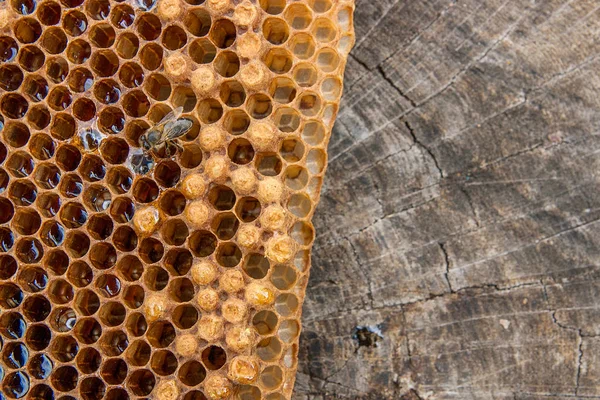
(184, 280)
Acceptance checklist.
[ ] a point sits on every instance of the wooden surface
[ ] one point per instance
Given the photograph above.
(458, 239)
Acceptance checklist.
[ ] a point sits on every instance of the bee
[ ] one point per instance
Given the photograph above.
(162, 136)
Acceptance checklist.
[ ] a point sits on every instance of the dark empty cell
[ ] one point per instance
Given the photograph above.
(29, 250)
(77, 244)
(38, 337)
(16, 384)
(136, 104)
(11, 77)
(223, 33)
(181, 290)
(248, 209)
(100, 226)
(97, 9)
(80, 274)
(222, 197)
(64, 378)
(141, 382)
(8, 267)
(27, 30)
(161, 334)
(114, 343)
(114, 372)
(11, 295)
(63, 319)
(12, 325)
(36, 88)
(151, 56)
(122, 16)
(151, 250)
(185, 98)
(134, 296)
(225, 225)
(57, 69)
(40, 366)
(104, 63)
(114, 150)
(259, 106)
(232, 93)
(240, 151)
(97, 198)
(130, 268)
(54, 40)
(185, 316)
(111, 120)
(287, 119)
(71, 186)
(229, 255)
(276, 30)
(131, 75)
(71, 3)
(236, 122)
(107, 91)
(59, 98)
(31, 58)
(125, 239)
(7, 239)
(203, 243)
(102, 35)
(60, 291)
(52, 234)
(80, 80)
(175, 232)
(214, 357)
(122, 209)
(64, 348)
(227, 64)
(202, 51)
(14, 106)
(6, 210)
(191, 156)
(26, 221)
(139, 353)
(87, 303)
(88, 360)
(56, 261)
(198, 395)
(92, 388)
(4, 179)
(8, 49)
(178, 261)
(63, 126)
(108, 284)
(92, 168)
(73, 215)
(148, 26)
(20, 164)
(128, 45)
(39, 117)
(36, 308)
(268, 164)
(167, 173)
(68, 157)
(48, 13)
(41, 392)
(278, 60)
(78, 51)
(163, 362)
(192, 373)
(172, 202)
(112, 313)
(74, 22)
(87, 330)
(145, 190)
(137, 324)
(210, 111)
(174, 37)
(33, 279)
(103, 255)
(119, 180)
(197, 21)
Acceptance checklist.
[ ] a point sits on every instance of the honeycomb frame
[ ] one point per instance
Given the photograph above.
(185, 282)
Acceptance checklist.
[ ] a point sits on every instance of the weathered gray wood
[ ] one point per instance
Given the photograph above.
(460, 214)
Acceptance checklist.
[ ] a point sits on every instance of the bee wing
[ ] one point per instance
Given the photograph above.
(177, 128)
(170, 117)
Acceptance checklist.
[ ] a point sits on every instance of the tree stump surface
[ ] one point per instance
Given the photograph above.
(458, 254)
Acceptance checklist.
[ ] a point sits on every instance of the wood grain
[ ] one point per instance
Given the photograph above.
(458, 254)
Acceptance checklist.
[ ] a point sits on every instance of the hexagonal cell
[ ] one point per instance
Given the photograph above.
(78, 51)
(114, 371)
(88, 361)
(80, 274)
(151, 250)
(23, 193)
(278, 60)
(203, 243)
(303, 233)
(47, 203)
(63, 126)
(7, 239)
(107, 91)
(47, 176)
(225, 225)
(125, 239)
(122, 209)
(103, 256)
(240, 151)
(248, 209)
(256, 266)
(40, 366)
(191, 156)
(127, 45)
(48, 13)
(158, 112)
(192, 373)
(60, 291)
(259, 106)
(183, 96)
(36, 309)
(20, 164)
(136, 104)
(54, 40)
(286, 119)
(77, 244)
(328, 60)
(181, 290)
(87, 330)
(167, 173)
(26, 221)
(232, 93)
(298, 16)
(158, 87)
(122, 16)
(38, 117)
(296, 177)
(114, 343)
(86, 303)
(60, 98)
(57, 69)
(197, 21)
(292, 150)
(210, 111)
(174, 232)
(156, 278)
(11, 77)
(148, 26)
(11, 295)
(105, 63)
(268, 164)
(80, 80)
(27, 30)
(131, 75)
(223, 33)
(331, 88)
(151, 56)
(111, 120)
(136, 324)
(272, 6)
(92, 168)
(141, 382)
(309, 104)
(203, 51)
(282, 90)
(185, 316)
(100, 226)
(84, 109)
(276, 30)
(74, 23)
(36, 88)
(161, 334)
(228, 255)
(174, 37)
(265, 322)
(236, 122)
(14, 106)
(71, 186)
(320, 6)
(33, 279)
(163, 362)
